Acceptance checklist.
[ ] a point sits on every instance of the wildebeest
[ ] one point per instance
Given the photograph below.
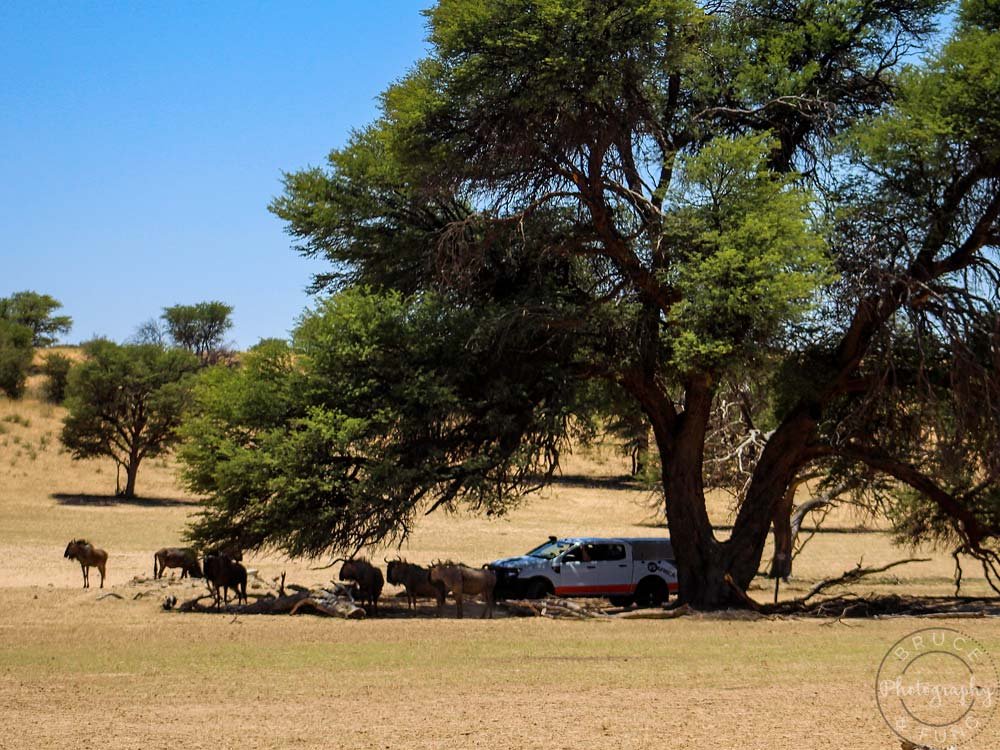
(230, 550)
(89, 557)
(184, 558)
(223, 573)
(460, 580)
(369, 580)
(416, 580)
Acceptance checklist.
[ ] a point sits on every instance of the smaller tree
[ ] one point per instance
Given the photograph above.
(199, 328)
(151, 331)
(16, 354)
(126, 402)
(56, 368)
(35, 310)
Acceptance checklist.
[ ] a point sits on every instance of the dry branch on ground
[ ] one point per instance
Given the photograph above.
(855, 574)
(335, 602)
(558, 608)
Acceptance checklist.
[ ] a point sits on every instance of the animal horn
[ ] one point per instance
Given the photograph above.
(332, 563)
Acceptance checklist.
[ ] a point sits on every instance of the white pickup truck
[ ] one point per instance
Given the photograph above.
(624, 570)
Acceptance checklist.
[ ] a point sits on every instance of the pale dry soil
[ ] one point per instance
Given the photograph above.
(76, 670)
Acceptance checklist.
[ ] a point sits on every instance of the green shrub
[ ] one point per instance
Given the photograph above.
(56, 367)
(16, 353)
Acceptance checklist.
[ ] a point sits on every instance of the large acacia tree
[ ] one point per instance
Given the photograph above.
(682, 201)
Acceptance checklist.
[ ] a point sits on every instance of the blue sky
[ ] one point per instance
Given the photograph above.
(140, 143)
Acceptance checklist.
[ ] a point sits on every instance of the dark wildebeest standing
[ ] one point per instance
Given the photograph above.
(416, 580)
(460, 580)
(222, 574)
(230, 550)
(369, 580)
(89, 557)
(184, 558)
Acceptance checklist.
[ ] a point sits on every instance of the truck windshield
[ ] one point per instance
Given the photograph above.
(549, 550)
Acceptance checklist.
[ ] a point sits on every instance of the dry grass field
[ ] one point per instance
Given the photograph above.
(76, 670)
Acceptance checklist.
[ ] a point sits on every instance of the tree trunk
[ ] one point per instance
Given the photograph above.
(703, 562)
(773, 479)
(130, 472)
(784, 537)
(640, 450)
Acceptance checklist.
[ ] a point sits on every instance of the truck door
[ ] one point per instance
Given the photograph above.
(595, 569)
(572, 578)
(611, 567)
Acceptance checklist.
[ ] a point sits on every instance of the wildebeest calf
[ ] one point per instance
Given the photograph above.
(223, 573)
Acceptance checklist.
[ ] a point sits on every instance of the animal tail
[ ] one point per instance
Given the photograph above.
(154, 566)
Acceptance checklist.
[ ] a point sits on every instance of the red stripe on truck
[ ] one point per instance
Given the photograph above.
(624, 588)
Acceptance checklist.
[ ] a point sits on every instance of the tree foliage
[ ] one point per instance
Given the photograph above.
(35, 311)
(125, 402)
(56, 369)
(337, 439)
(199, 328)
(16, 353)
(772, 211)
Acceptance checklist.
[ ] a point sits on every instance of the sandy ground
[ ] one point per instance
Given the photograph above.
(77, 669)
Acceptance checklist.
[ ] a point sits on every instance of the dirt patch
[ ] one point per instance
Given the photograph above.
(153, 679)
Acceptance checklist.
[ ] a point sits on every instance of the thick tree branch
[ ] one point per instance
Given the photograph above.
(910, 475)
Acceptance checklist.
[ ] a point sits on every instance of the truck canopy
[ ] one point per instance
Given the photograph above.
(651, 549)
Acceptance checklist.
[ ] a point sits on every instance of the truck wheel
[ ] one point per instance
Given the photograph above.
(651, 592)
(538, 588)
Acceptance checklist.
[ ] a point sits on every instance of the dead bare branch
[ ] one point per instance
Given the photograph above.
(855, 574)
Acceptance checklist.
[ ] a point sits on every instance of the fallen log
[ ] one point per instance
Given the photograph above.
(655, 614)
(339, 608)
(850, 576)
(520, 608)
(274, 605)
(335, 602)
(554, 607)
(554, 610)
(194, 605)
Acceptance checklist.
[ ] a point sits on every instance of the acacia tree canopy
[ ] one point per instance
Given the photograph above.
(677, 199)
(339, 438)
